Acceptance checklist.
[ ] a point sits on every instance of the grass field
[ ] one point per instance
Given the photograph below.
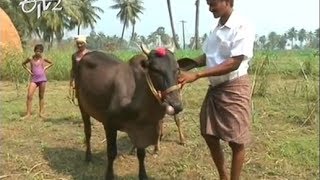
(285, 127)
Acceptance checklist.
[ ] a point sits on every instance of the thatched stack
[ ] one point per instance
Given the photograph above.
(9, 37)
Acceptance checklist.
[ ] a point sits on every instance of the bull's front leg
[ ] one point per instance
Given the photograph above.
(141, 153)
(111, 136)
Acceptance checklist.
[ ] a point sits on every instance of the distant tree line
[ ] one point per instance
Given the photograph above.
(292, 39)
(76, 14)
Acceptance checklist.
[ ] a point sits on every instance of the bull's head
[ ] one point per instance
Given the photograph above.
(163, 70)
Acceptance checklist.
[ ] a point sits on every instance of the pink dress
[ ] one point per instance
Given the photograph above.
(38, 71)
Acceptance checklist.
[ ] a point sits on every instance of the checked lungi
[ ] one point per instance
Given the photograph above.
(226, 111)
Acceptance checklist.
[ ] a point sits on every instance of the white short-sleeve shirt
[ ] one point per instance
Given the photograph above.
(234, 38)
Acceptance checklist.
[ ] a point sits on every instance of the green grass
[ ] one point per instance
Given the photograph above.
(285, 130)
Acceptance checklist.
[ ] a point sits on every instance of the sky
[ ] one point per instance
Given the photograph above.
(265, 15)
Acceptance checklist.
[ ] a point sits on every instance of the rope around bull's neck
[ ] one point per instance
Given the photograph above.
(158, 94)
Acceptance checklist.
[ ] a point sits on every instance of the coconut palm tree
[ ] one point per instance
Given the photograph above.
(129, 11)
(263, 40)
(292, 35)
(172, 26)
(273, 39)
(282, 41)
(51, 23)
(317, 33)
(88, 14)
(302, 36)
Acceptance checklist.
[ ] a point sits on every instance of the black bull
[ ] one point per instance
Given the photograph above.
(119, 96)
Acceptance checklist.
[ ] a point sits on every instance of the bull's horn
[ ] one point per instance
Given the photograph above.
(144, 48)
(171, 47)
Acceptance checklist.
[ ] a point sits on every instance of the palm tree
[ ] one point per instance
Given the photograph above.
(273, 39)
(196, 34)
(204, 37)
(129, 11)
(302, 35)
(263, 40)
(282, 41)
(88, 14)
(317, 33)
(172, 26)
(292, 35)
(133, 23)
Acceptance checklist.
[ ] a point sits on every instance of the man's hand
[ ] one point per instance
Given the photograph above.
(187, 77)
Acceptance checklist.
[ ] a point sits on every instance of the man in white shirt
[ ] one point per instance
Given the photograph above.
(225, 113)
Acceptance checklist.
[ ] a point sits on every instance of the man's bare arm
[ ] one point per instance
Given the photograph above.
(226, 67)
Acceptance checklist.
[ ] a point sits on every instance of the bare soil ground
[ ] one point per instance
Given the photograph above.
(285, 141)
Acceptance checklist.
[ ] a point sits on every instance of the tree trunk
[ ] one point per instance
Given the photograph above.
(79, 25)
(172, 26)
(196, 34)
(124, 27)
(183, 36)
(132, 33)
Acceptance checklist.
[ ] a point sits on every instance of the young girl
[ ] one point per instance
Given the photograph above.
(38, 78)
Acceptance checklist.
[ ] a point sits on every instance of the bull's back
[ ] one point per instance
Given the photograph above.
(95, 81)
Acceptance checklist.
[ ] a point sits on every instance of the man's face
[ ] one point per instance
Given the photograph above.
(218, 7)
(80, 45)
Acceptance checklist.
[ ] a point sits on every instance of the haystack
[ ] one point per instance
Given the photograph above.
(9, 37)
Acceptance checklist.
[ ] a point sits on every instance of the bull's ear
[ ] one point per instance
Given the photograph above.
(145, 64)
(185, 64)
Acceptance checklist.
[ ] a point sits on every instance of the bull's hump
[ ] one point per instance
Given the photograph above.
(95, 58)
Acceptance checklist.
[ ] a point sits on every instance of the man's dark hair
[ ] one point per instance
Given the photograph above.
(38, 47)
(230, 1)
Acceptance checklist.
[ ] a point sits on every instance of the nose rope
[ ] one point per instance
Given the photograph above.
(160, 94)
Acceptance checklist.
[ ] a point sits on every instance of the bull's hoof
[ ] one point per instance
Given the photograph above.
(143, 177)
(109, 176)
(182, 143)
(88, 157)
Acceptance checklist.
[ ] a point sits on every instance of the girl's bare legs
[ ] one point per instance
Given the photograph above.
(42, 88)
(31, 90)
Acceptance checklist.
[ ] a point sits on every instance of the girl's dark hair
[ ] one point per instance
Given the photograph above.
(38, 47)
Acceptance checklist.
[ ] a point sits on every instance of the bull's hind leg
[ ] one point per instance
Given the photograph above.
(87, 132)
(141, 153)
(111, 136)
(177, 120)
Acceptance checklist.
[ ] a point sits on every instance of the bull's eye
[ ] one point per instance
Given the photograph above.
(154, 70)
